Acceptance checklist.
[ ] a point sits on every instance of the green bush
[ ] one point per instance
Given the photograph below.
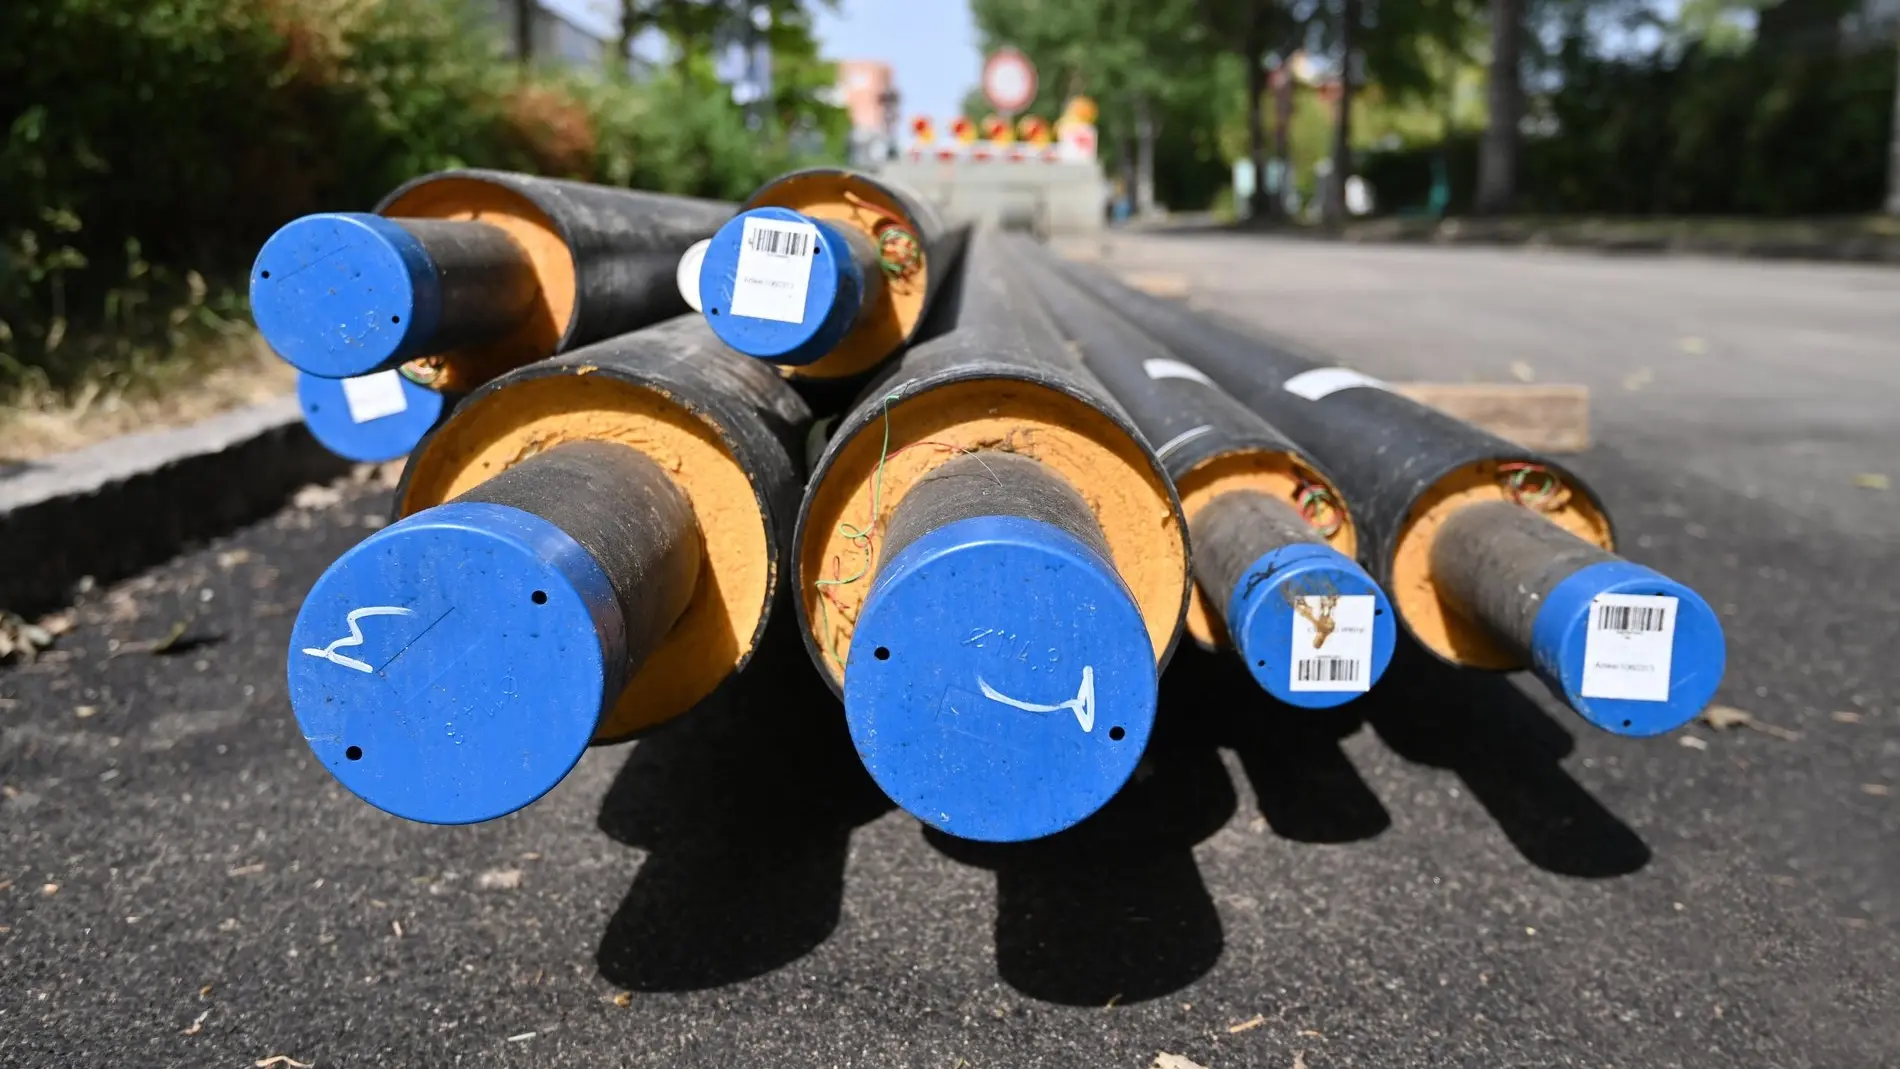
(1764, 132)
(151, 145)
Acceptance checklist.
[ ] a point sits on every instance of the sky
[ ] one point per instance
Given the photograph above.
(930, 44)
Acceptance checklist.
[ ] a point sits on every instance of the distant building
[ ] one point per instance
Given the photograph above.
(557, 38)
(868, 93)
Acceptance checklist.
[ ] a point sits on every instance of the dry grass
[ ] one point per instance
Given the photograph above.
(227, 372)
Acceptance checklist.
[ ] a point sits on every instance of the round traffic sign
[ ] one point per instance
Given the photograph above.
(1009, 80)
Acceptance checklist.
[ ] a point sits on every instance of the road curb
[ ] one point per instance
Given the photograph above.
(127, 503)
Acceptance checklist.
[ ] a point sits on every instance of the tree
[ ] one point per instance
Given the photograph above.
(1255, 28)
(1333, 197)
(1497, 152)
(1893, 156)
(1146, 62)
(524, 30)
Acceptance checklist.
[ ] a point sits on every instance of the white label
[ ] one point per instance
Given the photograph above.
(1332, 643)
(1174, 369)
(774, 270)
(687, 275)
(1326, 381)
(375, 396)
(1627, 649)
(1182, 439)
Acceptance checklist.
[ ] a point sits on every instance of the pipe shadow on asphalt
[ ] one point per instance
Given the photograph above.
(746, 809)
(1509, 754)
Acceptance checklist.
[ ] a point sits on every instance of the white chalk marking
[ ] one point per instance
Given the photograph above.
(1082, 705)
(355, 637)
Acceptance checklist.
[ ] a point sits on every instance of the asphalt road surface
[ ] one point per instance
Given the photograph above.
(1451, 872)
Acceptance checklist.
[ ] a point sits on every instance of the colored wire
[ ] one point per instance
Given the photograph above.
(898, 251)
(861, 536)
(1546, 494)
(424, 371)
(1316, 500)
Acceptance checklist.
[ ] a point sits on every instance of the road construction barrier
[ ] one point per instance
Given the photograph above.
(827, 272)
(1632, 651)
(1272, 539)
(459, 276)
(992, 569)
(587, 548)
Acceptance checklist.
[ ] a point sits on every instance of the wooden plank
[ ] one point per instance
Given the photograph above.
(1157, 284)
(1547, 418)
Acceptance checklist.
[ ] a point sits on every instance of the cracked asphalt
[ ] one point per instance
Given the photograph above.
(1453, 871)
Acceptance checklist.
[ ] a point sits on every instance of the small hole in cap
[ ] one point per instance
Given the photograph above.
(1117, 733)
(539, 597)
(354, 753)
(881, 653)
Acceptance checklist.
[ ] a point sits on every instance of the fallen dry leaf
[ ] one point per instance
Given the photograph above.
(1692, 742)
(50, 889)
(499, 880)
(246, 870)
(1844, 717)
(1873, 480)
(84, 711)
(23, 640)
(1724, 717)
(197, 1024)
(1164, 1060)
(1248, 1025)
(1522, 371)
(316, 497)
(281, 1059)
(1878, 790)
(1299, 1059)
(625, 998)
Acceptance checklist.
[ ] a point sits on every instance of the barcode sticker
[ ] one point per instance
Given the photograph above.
(1323, 382)
(374, 396)
(1627, 647)
(774, 270)
(1332, 642)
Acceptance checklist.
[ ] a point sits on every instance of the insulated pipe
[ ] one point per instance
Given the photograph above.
(462, 275)
(827, 272)
(1632, 650)
(992, 569)
(1272, 539)
(687, 423)
(452, 667)
(1409, 471)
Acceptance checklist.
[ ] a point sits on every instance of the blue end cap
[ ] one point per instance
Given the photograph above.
(452, 667)
(345, 293)
(1262, 619)
(833, 296)
(1001, 682)
(332, 407)
(1630, 692)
